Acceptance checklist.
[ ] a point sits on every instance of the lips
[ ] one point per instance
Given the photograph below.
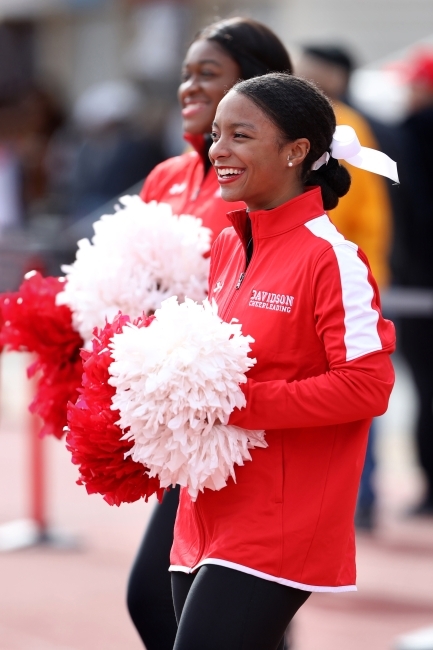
(228, 174)
(192, 108)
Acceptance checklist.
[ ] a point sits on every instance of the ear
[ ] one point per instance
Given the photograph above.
(295, 152)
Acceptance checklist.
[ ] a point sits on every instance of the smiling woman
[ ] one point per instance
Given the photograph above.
(264, 150)
(245, 558)
(221, 54)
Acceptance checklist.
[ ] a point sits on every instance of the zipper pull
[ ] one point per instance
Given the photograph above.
(241, 278)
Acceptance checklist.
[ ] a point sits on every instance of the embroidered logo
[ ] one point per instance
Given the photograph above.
(177, 188)
(272, 301)
(219, 285)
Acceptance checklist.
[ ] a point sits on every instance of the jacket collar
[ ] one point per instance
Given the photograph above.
(198, 143)
(289, 215)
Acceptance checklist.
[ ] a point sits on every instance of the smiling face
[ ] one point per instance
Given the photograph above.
(207, 73)
(251, 161)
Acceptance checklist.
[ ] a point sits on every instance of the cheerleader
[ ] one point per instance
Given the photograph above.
(246, 557)
(221, 54)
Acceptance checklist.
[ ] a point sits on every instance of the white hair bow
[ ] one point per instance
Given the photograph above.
(346, 146)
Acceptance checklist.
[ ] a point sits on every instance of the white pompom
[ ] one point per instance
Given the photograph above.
(138, 257)
(177, 381)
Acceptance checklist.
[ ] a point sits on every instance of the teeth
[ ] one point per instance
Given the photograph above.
(229, 171)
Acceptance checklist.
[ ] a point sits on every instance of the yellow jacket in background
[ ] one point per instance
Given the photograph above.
(364, 214)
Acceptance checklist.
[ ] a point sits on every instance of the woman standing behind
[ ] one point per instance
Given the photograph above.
(245, 558)
(221, 54)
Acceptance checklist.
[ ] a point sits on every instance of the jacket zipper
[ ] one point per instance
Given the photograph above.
(196, 506)
(238, 285)
(241, 279)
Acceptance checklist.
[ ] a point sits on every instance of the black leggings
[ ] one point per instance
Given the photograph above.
(219, 608)
(149, 596)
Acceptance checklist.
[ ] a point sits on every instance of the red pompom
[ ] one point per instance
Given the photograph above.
(34, 323)
(94, 438)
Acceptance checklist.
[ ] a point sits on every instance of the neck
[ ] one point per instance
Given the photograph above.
(287, 194)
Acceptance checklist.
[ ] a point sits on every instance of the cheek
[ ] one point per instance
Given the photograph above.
(180, 92)
(210, 154)
(272, 163)
(265, 177)
(216, 91)
(263, 170)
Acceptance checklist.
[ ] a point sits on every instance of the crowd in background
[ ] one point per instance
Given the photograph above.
(68, 165)
(393, 227)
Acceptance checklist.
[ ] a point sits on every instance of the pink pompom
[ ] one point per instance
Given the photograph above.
(33, 322)
(94, 438)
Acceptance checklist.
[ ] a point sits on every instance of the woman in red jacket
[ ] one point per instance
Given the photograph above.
(245, 558)
(237, 48)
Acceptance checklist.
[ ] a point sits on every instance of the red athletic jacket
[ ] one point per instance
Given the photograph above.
(323, 371)
(182, 182)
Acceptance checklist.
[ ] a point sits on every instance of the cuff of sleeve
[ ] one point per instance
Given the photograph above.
(237, 414)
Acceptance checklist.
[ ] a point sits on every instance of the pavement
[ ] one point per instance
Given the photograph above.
(74, 598)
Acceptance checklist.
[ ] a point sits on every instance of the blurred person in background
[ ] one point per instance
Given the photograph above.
(113, 153)
(29, 119)
(40, 115)
(363, 216)
(220, 55)
(412, 259)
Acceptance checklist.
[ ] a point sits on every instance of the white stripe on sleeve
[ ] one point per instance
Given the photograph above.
(360, 320)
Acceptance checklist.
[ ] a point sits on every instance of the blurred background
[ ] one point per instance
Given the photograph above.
(87, 108)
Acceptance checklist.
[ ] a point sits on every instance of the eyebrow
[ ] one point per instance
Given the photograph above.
(204, 61)
(235, 125)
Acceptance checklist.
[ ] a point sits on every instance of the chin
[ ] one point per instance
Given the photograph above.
(229, 195)
(195, 128)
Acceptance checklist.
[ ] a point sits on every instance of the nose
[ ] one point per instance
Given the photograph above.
(191, 85)
(218, 150)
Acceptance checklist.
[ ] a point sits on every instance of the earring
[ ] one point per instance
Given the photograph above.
(290, 164)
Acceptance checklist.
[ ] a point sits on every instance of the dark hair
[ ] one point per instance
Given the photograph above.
(334, 54)
(300, 110)
(254, 47)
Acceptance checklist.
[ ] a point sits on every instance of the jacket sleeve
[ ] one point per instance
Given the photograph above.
(357, 342)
